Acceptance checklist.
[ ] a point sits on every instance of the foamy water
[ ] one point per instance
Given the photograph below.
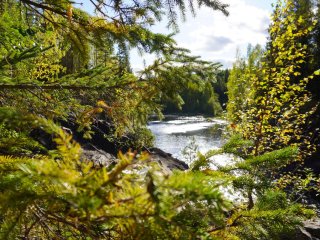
(175, 135)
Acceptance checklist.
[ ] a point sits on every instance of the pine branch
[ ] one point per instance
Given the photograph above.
(45, 7)
(66, 87)
(233, 224)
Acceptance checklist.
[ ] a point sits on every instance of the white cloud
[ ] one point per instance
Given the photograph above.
(245, 24)
(216, 37)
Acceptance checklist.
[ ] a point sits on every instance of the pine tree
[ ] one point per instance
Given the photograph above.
(46, 78)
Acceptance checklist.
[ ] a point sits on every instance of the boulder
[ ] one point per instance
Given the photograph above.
(99, 157)
(310, 230)
(101, 151)
(313, 227)
(166, 160)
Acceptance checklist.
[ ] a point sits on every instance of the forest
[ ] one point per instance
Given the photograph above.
(67, 89)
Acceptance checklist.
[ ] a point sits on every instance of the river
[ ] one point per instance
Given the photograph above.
(182, 136)
(176, 133)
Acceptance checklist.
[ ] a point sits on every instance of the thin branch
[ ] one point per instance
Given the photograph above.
(46, 7)
(233, 224)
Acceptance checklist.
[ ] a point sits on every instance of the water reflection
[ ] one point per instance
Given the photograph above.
(176, 133)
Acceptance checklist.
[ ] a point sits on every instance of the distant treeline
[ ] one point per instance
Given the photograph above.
(209, 99)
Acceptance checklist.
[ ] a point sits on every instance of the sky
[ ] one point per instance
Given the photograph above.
(215, 37)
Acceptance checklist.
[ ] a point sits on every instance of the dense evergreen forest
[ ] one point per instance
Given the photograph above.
(209, 100)
(66, 82)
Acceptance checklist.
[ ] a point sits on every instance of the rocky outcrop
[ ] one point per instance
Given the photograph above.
(101, 151)
(310, 230)
(166, 160)
(99, 157)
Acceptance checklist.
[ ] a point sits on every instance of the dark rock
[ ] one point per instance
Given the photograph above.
(310, 230)
(44, 138)
(313, 227)
(166, 160)
(303, 234)
(101, 151)
(98, 146)
(100, 129)
(100, 158)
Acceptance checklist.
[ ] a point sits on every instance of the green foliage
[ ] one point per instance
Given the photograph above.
(28, 51)
(60, 63)
(271, 129)
(270, 124)
(59, 195)
(69, 198)
(14, 142)
(273, 217)
(268, 213)
(49, 74)
(141, 137)
(196, 100)
(70, 65)
(302, 183)
(278, 104)
(220, 87)
(240, 84)
(236, 144)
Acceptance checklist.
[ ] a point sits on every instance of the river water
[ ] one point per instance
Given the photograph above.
(197, 133)
(182, 136)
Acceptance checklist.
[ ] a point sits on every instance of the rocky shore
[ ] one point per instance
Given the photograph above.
(101, 158)
(103, 152)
